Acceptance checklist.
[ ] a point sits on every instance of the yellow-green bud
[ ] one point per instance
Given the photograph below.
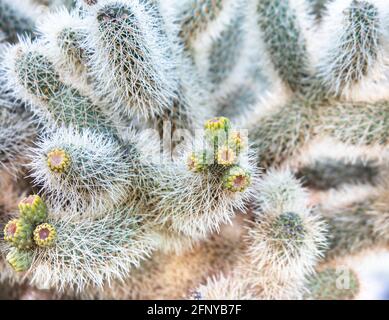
(58, 160)
(236, 179)
(198, 161)
(19, 260)
(226, 156)
(219, 123)
(236, 141)
(217, 131)
(45, 235)
(19, 233)
(33, 209)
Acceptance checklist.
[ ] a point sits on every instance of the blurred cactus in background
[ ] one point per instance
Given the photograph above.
(153, 149)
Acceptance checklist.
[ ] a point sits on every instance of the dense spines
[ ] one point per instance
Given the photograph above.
(186, 204)
(325, 285)
(319, 7)
(64, 33)
(283, 37)
(17, 18)
(224, 52)
(92, 169)
(32, 75)
(281, 133)
(91, 252)
(17, 133)
(218, 46)
(350, 46)
(287, 239)
(196, 16)
(173, 275)
(358, 226)
(281, 247)
(358, 123)
(132, 57)
(195, 204)
(205, 187)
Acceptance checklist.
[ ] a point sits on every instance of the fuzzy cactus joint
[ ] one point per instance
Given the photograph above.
(194, 149)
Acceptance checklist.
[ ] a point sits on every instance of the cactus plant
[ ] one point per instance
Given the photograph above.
(160, 143)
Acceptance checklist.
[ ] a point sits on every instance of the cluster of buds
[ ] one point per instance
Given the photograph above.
(223, 147)
(28, 231)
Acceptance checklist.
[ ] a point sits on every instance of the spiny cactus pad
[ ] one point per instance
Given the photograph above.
(289, 227)
(327, 285)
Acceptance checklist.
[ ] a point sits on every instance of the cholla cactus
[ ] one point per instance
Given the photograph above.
(328, 88)
(323, 286)
(282, 246)
(88, 94)
(17, 18)
(91, 172)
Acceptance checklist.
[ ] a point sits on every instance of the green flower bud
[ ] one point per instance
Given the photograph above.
(45, 235)
(19, 260)
(33, 209)
(19, 233)
(236, 179)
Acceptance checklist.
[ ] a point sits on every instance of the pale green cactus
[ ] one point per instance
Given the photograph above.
(107, 79)
(17, 18)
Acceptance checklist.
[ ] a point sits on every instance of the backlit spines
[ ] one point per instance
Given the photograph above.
(33, 76)
(280, 24)
(208, 203)
(351, 46)
(64, 32)
(91, 251)
(132, 57)
(209, 184)
(17, 18)
(84, 167)
(287, 239)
